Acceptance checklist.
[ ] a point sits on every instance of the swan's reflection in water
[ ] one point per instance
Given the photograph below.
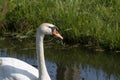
(72, 64)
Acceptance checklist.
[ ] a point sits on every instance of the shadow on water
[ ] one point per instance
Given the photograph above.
(66, 64)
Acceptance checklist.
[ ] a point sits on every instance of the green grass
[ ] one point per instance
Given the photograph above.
(92, 22)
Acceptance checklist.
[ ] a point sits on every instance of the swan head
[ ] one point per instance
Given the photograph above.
(49, 29)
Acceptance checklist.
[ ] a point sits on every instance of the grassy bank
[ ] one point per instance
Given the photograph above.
(91, 22)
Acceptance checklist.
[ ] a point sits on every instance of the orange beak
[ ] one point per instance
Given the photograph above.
(55, 32)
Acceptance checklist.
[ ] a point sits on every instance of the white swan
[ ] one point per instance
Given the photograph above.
(15, 69)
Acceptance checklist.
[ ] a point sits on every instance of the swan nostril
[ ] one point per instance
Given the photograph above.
(56, 33)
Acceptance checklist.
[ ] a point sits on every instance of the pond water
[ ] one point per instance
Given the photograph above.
(66, 63)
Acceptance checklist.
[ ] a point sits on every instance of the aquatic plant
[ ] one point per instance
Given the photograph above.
(93, 23)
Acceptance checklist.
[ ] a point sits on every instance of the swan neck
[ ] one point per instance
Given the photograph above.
(40, 56)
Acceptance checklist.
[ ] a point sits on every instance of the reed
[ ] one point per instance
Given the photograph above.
(92, 22)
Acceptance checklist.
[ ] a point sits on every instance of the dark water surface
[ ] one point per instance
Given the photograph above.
(66, 63)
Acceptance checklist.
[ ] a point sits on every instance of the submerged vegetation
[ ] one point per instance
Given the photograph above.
(89, 22)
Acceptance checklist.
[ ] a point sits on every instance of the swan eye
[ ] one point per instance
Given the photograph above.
(53, 28)
(49, 26)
